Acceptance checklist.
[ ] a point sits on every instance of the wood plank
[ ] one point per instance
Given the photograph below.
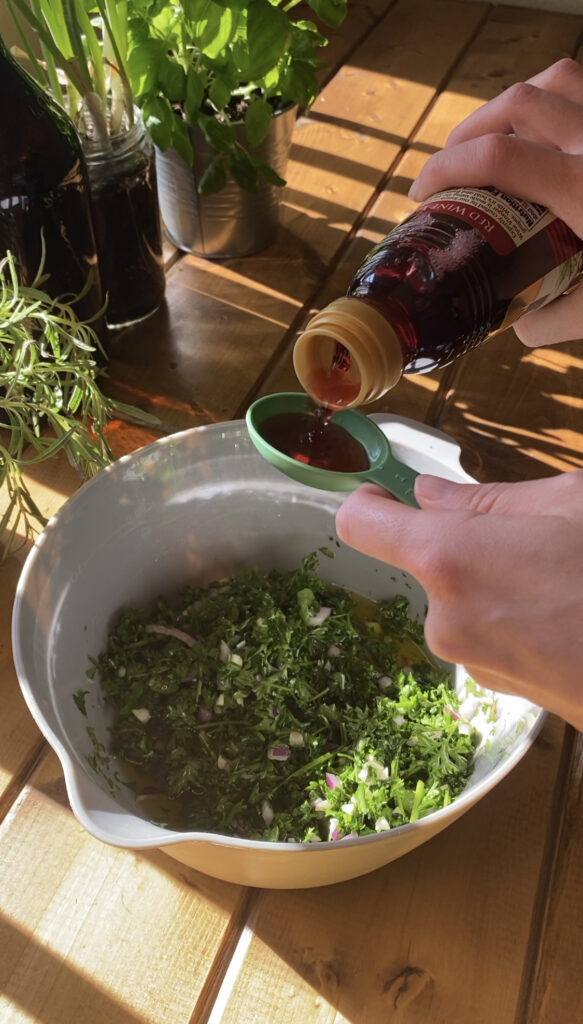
(428, 938)
(555, 993)
(201, 356)
(89, 932)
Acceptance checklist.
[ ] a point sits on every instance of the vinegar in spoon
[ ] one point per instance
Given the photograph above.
(314, 439)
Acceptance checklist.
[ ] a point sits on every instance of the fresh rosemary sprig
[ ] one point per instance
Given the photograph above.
(50, 398)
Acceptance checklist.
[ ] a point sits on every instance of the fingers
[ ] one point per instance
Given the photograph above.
(539, 174)
(564, 77)
(529, 112)
(561, 320)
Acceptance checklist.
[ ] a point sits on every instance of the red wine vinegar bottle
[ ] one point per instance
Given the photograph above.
(465, 265)
(44, 193)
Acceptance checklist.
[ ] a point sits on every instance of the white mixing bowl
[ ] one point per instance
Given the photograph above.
(193, 507)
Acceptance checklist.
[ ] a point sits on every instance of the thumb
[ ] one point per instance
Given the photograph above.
(434, 492)
(548, 495)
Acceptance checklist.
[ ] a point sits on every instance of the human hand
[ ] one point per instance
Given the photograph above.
(528, 141)
(502, 567)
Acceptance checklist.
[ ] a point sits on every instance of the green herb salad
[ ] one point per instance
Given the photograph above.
(276, 706)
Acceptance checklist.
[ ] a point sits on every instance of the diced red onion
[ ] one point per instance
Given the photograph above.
(333, 651)
(334, 831)
(332, 781)
(320, 616)
(278, 753)
(178, 634)
(204, 715)
(452, 713)
(296, 739)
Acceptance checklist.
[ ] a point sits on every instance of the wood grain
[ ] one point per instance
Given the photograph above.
(91, 933)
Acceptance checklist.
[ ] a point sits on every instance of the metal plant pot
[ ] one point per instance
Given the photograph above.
(231, 222)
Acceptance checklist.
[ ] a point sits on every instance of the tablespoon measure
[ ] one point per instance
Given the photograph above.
(384, 469)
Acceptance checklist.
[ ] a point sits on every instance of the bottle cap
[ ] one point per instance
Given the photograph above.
(371, 364)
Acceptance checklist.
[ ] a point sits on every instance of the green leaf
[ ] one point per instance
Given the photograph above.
(332, 12)
(143, 63)
(219, 94)
(214, 28)
(270, 175)
(220, 134)
(214, 178)
(268, 37)
(194, 95)
(243, 170)
(302, 84)
(171, 79)
(257, 121)
(159, 120)
(181, 141)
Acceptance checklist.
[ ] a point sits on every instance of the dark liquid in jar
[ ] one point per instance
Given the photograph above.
(315, 440)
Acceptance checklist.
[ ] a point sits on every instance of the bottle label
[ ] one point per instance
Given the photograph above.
(506, 223)
(549, 287)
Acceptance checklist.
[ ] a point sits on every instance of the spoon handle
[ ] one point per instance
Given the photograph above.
(396, 478)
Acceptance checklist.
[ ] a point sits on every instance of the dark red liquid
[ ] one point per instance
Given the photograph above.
(335, 385)
(315, 440)
(445, 289)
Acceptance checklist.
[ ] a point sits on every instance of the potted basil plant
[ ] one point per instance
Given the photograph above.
(83, 65)
(219, 85)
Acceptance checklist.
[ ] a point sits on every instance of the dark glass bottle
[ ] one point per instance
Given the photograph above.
(467, 264)
(44, 192)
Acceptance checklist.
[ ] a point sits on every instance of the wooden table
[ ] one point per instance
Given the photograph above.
(482, 925)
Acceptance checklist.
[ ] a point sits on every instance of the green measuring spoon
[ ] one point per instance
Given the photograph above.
(384, 469)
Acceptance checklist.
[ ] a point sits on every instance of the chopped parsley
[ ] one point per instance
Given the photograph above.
(277, 706)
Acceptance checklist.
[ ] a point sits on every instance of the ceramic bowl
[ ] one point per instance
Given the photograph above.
(189, 508)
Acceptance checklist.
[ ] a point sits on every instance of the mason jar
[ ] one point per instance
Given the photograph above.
(126, 217)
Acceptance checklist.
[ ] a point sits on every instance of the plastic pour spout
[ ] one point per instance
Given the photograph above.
(384, 469)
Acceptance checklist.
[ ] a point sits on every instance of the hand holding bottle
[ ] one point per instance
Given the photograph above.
(528, 142)
(501, 566)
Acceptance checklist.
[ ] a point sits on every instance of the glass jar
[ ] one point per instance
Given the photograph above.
(126, 218)
(45, 212)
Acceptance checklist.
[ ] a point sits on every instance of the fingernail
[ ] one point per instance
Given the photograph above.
(433, 488)
(412, 193)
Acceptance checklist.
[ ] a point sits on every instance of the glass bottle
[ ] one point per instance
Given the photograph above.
(126, 216)
(464, 266)
(44, 193)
